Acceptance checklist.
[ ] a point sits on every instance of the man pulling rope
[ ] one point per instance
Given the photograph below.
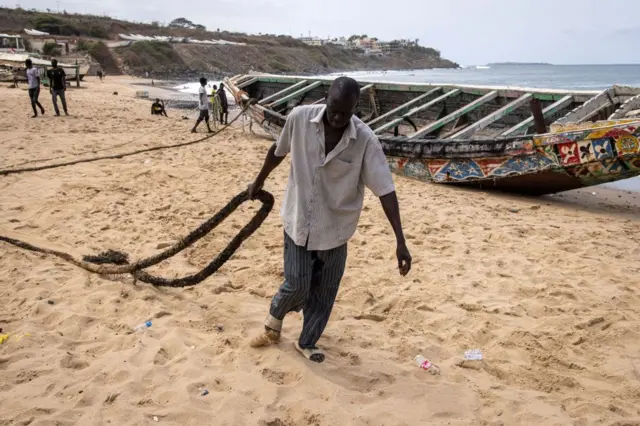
(334, 155)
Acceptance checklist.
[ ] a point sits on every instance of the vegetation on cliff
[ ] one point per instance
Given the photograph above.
(266, 53)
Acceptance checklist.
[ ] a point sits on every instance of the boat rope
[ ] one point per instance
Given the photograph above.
(95, 151)
(126, 154)
(115, 262)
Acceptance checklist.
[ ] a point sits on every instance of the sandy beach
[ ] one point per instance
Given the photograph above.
(547, 288)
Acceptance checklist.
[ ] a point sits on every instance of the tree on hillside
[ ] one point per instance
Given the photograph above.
(185, 23)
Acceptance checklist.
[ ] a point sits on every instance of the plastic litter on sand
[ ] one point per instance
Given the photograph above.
(473, 355)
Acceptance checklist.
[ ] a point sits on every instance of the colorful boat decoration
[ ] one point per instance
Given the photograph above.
(533, 141)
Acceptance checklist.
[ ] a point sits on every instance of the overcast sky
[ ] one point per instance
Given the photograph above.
(470, 32)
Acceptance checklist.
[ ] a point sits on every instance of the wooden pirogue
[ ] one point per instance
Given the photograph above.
(534, 141)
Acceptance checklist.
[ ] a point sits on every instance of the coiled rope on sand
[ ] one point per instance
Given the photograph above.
(116, 262)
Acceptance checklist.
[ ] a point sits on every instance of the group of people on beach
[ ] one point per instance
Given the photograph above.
(57, 87)
(215, 102)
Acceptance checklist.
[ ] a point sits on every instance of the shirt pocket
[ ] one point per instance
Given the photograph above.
(341, 185)
(338, 168)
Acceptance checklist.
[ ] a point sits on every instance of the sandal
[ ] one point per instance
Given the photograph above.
(312, 354)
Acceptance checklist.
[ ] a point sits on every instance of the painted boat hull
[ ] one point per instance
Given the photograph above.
(570, 157)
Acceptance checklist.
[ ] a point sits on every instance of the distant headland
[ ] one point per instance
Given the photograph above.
(518, 63)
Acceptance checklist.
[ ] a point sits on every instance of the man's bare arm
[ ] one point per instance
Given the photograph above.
(270, 163)
(392, 211)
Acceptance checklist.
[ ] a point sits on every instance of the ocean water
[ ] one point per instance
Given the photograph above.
(575, 77)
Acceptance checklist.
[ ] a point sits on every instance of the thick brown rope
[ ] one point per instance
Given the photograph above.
(123, 267)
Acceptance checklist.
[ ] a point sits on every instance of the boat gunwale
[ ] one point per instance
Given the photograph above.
(404, 86)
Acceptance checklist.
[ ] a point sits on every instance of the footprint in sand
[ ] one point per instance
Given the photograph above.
(73, 362)
(162, 357)
(280, 377)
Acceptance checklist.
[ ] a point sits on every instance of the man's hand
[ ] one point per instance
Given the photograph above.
(253, 189)
(404, 259)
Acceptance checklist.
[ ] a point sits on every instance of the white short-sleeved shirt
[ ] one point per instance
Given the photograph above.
(32, 77)
(324, 196)
(203, 99)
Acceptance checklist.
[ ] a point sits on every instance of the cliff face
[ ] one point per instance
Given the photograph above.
(266, 53)
(179, 60)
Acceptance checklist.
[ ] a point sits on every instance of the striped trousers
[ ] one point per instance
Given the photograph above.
(312, 279)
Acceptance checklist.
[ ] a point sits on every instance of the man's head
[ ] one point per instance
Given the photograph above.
(28, 63)
(342, 101)
(203, 81)
(221, 86)
(215, 87)
(157, 100)
(54, 63)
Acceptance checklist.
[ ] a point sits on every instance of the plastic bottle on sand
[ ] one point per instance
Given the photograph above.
(427, 365)
(142, 327)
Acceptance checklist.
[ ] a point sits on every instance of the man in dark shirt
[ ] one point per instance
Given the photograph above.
(157, 108)
(224, 105)
(57, 86)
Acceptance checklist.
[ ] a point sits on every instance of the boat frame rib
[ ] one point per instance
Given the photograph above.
(246, 83)
(629, 105)
(526, 124)
(454, 115)
(404, 106)
(367, 87)
(282, 92)
(493, 117)
(295, 94)
(589, 108)
(417, 109)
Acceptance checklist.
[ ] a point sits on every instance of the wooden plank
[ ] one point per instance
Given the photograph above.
(562, 103)
(493, 117)
(243, 78)
(365, 88)
(319, 101)
(629, 105)
(295, 94)
(454, 115)
(415, 110)
(247, 83)
(589, 108)
(588, 117)
(404, 106)
(503, 91)
(284, 91)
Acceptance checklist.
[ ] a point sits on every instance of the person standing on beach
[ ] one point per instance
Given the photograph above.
(203, 105)
(57, 86)
(33, 80)
(215, 105)
(224, 105)
(334, 155)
